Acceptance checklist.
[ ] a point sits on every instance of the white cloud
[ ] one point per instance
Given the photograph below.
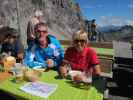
(114, 20)
(130, 6)
(104, 18)
(129, 22)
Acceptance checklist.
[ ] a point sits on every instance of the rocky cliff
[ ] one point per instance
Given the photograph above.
(63, 16)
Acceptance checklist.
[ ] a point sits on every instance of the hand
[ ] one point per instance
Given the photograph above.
(50, 63)
(20, 56)
(97, 70)
(32, 36)
(78, 78)
(63, 71)
(66, 61)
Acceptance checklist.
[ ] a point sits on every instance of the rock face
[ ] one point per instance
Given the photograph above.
(63, 16)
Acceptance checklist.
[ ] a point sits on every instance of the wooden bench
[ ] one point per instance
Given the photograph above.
(106, 67)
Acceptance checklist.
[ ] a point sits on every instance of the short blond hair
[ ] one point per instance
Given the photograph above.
(38, 13)
(80, 35)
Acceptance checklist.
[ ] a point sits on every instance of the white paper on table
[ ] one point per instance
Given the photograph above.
(39, 88)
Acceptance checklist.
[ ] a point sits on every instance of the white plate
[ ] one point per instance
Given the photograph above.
(74, 72)
(87, 79)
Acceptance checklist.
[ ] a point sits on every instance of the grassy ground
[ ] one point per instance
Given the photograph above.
(101, 51)
(104, 51)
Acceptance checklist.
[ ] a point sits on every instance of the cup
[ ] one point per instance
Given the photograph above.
(18, 72)
(88, 77)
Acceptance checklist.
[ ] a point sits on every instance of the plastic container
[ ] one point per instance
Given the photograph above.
(18, 72)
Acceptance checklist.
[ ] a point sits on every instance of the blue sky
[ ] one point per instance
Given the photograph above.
(108, 12)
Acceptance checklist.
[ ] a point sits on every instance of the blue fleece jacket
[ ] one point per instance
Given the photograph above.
(36, 58)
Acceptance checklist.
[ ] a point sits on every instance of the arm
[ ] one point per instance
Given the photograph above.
(58, 57)
(95, 63)
(97, 70)
(2, 48)
(19, 50)
(29, 60)
(59, 51)
(58, 45)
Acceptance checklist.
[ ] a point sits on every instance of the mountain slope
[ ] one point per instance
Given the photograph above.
(63, 16)
(124, 33)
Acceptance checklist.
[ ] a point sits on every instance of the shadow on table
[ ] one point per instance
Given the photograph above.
(79, 85)
(58, 77)
(98, 83)
(9, 96)
(6, 95)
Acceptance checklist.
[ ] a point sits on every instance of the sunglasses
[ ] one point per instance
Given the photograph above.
(81, 41)
(15, 36)
(44, 31)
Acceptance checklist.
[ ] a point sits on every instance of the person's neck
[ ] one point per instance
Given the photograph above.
(80, 50)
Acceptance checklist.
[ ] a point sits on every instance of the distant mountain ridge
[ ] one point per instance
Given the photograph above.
(117, 32)
(109, 28)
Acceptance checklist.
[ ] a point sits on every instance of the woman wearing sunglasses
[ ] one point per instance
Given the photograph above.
(81, 57)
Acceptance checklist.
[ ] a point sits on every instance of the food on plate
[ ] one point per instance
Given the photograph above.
(32, 75)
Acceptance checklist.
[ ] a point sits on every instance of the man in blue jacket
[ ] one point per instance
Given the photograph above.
(47, 52)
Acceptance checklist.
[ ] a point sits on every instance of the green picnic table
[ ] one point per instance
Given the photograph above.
(65, 90)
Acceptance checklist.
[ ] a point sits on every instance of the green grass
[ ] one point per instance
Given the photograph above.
(101, 51)
(104, 51)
